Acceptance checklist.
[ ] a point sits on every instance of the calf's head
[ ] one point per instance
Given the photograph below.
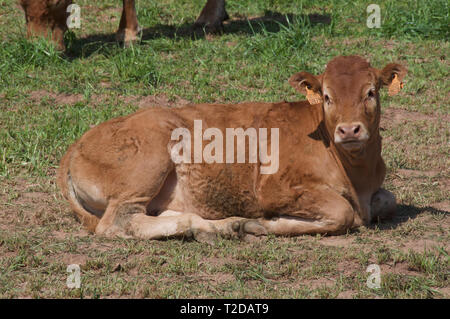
(47, 18)
(349, 93)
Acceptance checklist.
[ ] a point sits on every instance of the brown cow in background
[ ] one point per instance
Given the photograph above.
(49, 17)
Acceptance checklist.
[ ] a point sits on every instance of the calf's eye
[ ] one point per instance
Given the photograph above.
(370, 94)
(326, 98)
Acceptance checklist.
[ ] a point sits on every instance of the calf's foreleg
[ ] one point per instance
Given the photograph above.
(172, 224)
(129, 28)
(325, 213)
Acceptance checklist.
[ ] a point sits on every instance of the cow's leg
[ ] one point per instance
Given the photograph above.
(329, 214)
(168, 225)
(228, 227)
(47, 18)
(140, 178)
(127, 218)
(171, 224)
(135, 195)
(383, 205)
(212, 15)
(129, 27)
(118, 214)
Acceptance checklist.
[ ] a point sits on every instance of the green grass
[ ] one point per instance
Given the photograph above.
(49, 99)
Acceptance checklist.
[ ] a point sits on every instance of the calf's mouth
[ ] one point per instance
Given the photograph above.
(352, 145)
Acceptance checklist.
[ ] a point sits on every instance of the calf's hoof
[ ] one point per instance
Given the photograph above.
(112, 232)
(203, 236)
(248, 229)
(129, 36)
(212, 16)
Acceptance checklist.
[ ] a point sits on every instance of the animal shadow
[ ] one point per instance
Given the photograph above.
(271, 21)
(405, 213)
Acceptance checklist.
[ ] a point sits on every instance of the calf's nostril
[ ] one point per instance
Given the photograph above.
(349, 131)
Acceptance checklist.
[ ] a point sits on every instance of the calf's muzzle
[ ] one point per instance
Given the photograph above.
(351, 135)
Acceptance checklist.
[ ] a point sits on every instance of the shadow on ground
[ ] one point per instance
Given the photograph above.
(405, 213)
(271, 22)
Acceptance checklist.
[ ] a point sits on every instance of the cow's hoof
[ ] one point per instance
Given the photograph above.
(129, 36)
(211, 28)
(246, 227)
(212, 16)
(113, 232)
(204, 237)
(254, 239)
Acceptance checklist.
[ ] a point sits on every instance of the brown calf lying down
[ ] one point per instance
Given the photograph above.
(45, 17)
(120, 178)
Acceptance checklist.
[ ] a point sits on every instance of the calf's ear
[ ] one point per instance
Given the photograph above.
(392, 75)
(309, 85)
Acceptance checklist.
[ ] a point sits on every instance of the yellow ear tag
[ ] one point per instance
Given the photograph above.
(395, 86)
(313, 97)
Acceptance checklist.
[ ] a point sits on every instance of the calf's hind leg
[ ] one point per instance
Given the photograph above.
(129, 219)
(137, 188)
(118, 214)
